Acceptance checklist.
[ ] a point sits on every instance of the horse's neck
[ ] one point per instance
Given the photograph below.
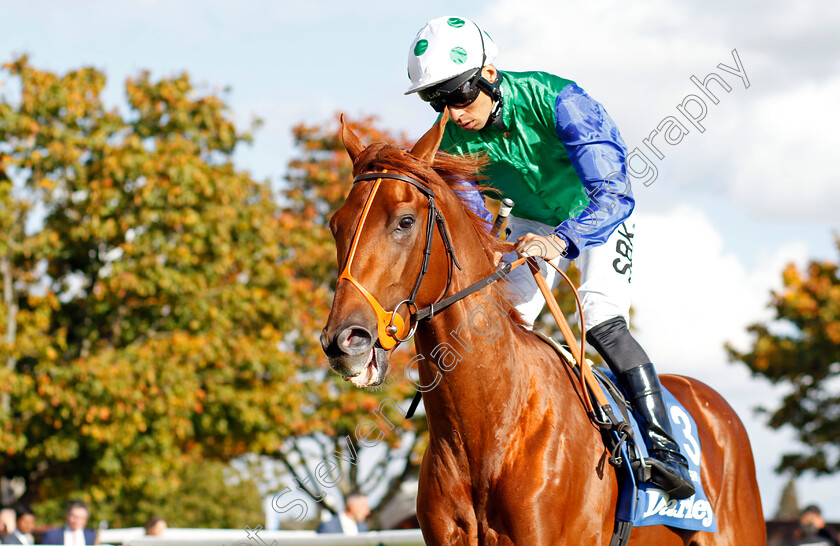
(470, 357)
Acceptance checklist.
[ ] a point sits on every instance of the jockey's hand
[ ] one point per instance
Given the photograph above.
(548, 247)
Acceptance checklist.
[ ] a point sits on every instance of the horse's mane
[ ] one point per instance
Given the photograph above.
(451, 172)
(447, 173)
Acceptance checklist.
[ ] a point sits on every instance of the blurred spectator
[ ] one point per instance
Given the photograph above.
(352, 520)
(155, 526)
(812, 529)
(7, 521)
(25, 522)
(73, 533)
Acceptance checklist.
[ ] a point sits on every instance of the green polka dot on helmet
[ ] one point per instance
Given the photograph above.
(421, 46)
(458, 55)
(447, 47)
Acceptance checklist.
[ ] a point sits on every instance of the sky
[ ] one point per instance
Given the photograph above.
(731, 205)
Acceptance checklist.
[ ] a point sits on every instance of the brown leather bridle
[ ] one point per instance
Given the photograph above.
(392, 329)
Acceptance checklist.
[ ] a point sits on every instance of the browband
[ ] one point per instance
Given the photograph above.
(426, 190)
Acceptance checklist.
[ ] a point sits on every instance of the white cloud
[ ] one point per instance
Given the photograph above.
(796, 37)
(690, 292)
(691, 297)
(640, 56)
(767, 147)
(786, 163)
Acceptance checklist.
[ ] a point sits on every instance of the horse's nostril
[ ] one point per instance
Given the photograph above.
(354, 341)
(325, 342)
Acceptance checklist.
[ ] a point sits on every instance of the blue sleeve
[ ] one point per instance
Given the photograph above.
(596, 151)
(474, 200)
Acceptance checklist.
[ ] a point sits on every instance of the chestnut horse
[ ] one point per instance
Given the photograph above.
(512, 457)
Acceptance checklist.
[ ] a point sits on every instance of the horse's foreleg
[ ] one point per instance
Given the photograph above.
(444, 533)
(444, 505)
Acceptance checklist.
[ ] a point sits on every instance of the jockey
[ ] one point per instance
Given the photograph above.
(556, 152)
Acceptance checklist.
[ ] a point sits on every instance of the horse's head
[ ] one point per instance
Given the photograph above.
(390, 224)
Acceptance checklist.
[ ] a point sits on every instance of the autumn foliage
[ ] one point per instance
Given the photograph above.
(800, 348)
(160, 308)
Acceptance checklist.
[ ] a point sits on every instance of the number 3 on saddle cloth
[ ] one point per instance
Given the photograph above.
(642, 503)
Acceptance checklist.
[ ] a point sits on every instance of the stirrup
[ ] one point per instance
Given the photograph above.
(666, 477)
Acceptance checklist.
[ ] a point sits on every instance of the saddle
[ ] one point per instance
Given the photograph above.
(639, 503)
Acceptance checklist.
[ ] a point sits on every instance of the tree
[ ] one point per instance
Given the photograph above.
(161, 308)
(211, 494)
(800, 347)
(146, 291)
(789, 502)
(217, 494)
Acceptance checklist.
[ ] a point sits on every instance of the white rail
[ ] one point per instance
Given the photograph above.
(245, 537)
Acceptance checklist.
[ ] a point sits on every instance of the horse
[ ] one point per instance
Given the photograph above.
(512, 456)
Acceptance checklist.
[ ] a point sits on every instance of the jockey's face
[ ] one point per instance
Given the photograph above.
(473, 117)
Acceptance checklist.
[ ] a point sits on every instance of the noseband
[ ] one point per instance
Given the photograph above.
(392, 329)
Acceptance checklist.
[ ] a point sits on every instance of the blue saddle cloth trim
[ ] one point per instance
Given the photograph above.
(644, 504)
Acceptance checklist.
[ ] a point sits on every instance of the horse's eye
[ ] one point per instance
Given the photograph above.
(406, 222)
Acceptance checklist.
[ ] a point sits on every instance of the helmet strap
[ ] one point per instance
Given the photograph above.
(494, 90)
(495, 118)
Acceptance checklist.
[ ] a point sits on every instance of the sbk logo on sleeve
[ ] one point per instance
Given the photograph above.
(623, 265)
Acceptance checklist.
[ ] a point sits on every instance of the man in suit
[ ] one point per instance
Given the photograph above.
(25, 523)
(73, 533)
(352, 520)
(812, 529)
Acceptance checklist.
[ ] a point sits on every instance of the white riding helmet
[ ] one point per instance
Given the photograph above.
(447, 47)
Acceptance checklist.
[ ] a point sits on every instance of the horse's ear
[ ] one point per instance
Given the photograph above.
(351, 142)
(428, 145)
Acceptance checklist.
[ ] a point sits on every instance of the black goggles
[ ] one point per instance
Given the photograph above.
(461, 96)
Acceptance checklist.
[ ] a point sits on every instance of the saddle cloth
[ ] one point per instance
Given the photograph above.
(642, 503)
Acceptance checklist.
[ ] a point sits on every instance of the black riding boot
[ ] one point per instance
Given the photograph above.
(669, 469)
(630, 363)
